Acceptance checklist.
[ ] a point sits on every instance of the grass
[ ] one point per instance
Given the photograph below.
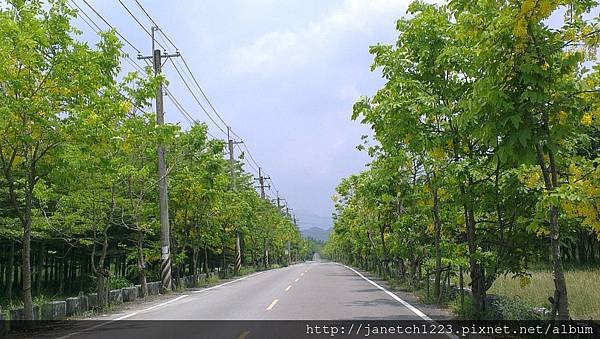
(584, 299)
(246, 270)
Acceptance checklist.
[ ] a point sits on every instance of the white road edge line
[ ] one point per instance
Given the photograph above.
(156, 306)
(397, 298)
(272, 304)
(153, 307)
(229, 282)
(121, 318)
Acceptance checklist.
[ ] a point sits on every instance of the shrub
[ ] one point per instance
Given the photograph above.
(507, 308)
(118, 282)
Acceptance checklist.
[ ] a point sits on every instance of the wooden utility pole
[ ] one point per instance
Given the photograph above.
(165, 267)
(238, 247)
(261, 181)
(288, 249)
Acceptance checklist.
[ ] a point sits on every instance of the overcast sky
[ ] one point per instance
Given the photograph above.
(283, 74)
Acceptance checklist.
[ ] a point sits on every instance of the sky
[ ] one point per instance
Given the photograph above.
(283, 74)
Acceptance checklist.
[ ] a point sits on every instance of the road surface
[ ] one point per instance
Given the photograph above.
(311, 291)
(307, 291)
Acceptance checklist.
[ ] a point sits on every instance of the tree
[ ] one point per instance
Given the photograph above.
(49, 81)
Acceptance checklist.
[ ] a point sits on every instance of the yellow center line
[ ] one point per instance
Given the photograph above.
(296, 279)
(272, 304)
(243, 335)
(288, 288)
(301, 274)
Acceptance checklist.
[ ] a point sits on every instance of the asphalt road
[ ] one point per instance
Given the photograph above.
(308, 291)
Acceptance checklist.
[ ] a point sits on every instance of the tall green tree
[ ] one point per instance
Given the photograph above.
(49, 80)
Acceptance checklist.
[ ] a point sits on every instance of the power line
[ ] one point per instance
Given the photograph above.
(187, 67)
(196, 82)
(91, 23)
(202, 91)
(135, 18)
(155, 24)
(94, 27)
(196, 98)
(108, 24)
(248, 152)
(177, 105)
(79, 10)
(184, 112)
(247, 163)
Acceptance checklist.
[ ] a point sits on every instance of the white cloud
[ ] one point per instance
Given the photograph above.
(283, 50)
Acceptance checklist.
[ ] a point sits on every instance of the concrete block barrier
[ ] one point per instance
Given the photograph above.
(73, 306)
(153, 288)
(115, 296)
(139, 291)
(92, 300)
(129, 293)
(19, 314)
(84, 304)
(54, 310)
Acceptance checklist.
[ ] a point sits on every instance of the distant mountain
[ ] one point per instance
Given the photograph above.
(316, 233)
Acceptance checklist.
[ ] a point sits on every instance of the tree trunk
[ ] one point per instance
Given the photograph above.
(26, 262)
(476, 272)
(102, 273)
(195, 265)
(60, 276)
(11, 272)
(438, 254)
(206, 260)
(142, 265)
(384, 250)
(39, 268)
(560, 300)
(101, 287)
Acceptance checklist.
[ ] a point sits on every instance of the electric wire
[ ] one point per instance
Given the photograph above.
(195, 97)
(108, 24)
(253, 164)
(135, 18)
(184, 112)
(91, 23)
(196, 82)
(155, 24)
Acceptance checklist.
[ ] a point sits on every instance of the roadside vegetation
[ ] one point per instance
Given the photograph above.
(485, 160)
(78, 184)
(584, 300)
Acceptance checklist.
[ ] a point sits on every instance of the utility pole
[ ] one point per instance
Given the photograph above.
(289, 244)
(238, 246)
(165, 239)
(278, 202)
(288, 250)
(261, 181)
